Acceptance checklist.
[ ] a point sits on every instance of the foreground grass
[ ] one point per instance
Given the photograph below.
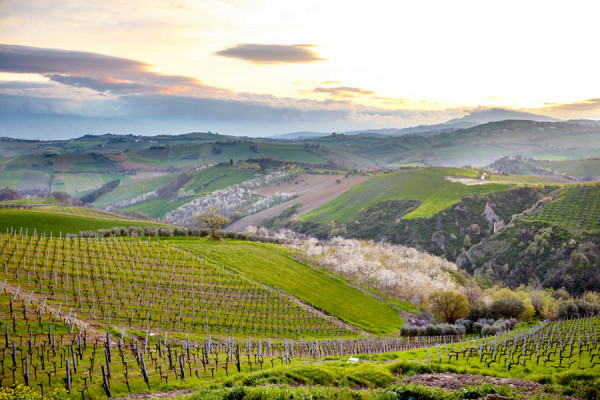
(314, 287)
(426, 185)
(57, 222)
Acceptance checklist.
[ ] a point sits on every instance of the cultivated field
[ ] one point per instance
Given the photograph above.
(312, 190)
(576, 206)
(427, 185)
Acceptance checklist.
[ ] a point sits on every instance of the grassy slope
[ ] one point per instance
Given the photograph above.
(56, 222)
(314, 287)
(132, 188)
(426, 185)
(587, 167)
(214, 179)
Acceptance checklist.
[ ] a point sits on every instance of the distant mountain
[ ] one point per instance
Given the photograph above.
(300, 135)
(500, 114)
(468, 121)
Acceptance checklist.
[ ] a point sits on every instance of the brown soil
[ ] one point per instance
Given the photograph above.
(458, 381)
(115, 157)
(155, 395)
(128, 165)
(312, 190)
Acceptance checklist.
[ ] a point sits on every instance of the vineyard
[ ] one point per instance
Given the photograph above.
(106, 317)
(563, 345)
(577, 206)
(147, 285)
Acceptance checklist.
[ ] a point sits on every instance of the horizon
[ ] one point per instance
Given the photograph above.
(262, 69)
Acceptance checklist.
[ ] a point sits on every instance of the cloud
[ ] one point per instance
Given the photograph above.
(585, 105)
(98, 72)
(272, 53)
(341, 91)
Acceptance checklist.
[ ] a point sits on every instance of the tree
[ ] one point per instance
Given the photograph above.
(9, 194)
(510, 307)
(449, 305)
(211, 218)
(467, 242)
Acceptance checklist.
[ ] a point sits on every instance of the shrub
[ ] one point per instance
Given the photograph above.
(478, 310)
(87, 234)
(103, 233)
(567, 309)
(150, 231)
(165, 232)
(135, 231)
(510, 307)
(119, 231)
(180, 231)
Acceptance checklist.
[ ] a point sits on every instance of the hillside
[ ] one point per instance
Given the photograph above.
(314, 287)
(63, 220)
(574, 206)
(583, 168)
(427, 186)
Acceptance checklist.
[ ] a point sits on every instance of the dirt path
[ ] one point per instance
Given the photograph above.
(313, 191)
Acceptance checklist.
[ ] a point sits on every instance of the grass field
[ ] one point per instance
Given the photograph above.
(587, 167)
(577, 206)
(313, 287)
(426, 185)
(57, 222)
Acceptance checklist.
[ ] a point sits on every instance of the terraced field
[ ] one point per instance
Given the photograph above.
(427, 185)
(577, 206)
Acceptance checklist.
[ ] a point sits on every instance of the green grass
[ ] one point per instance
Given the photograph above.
(157, 207)
(57, 222)
(577, 206)
(132, 188)
(426, 185)
(313, 287)
(588, 167)
(33, 201)
(210, 179)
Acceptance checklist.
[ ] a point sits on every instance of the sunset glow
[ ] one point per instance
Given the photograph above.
(333, 65)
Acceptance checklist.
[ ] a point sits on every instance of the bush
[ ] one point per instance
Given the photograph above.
(87, 234)
(150, 231)
(119, 231)
(103, 233)
(567, 309)
(135, 231)
(510, 307)
(165, 232)
(180, 231)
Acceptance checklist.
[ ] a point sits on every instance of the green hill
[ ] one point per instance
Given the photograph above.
(425, 185)
(67, 220)
(576, 206)
(313, 287)
(588, 167)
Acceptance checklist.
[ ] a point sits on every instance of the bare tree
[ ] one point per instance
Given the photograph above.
(213, 220)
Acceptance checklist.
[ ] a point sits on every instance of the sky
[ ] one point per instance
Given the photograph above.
(260, 68)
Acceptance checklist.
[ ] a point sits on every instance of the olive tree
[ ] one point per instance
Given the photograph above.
(449, 305)
(213, 220)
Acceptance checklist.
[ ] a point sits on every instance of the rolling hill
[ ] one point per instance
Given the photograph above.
(428, 186)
